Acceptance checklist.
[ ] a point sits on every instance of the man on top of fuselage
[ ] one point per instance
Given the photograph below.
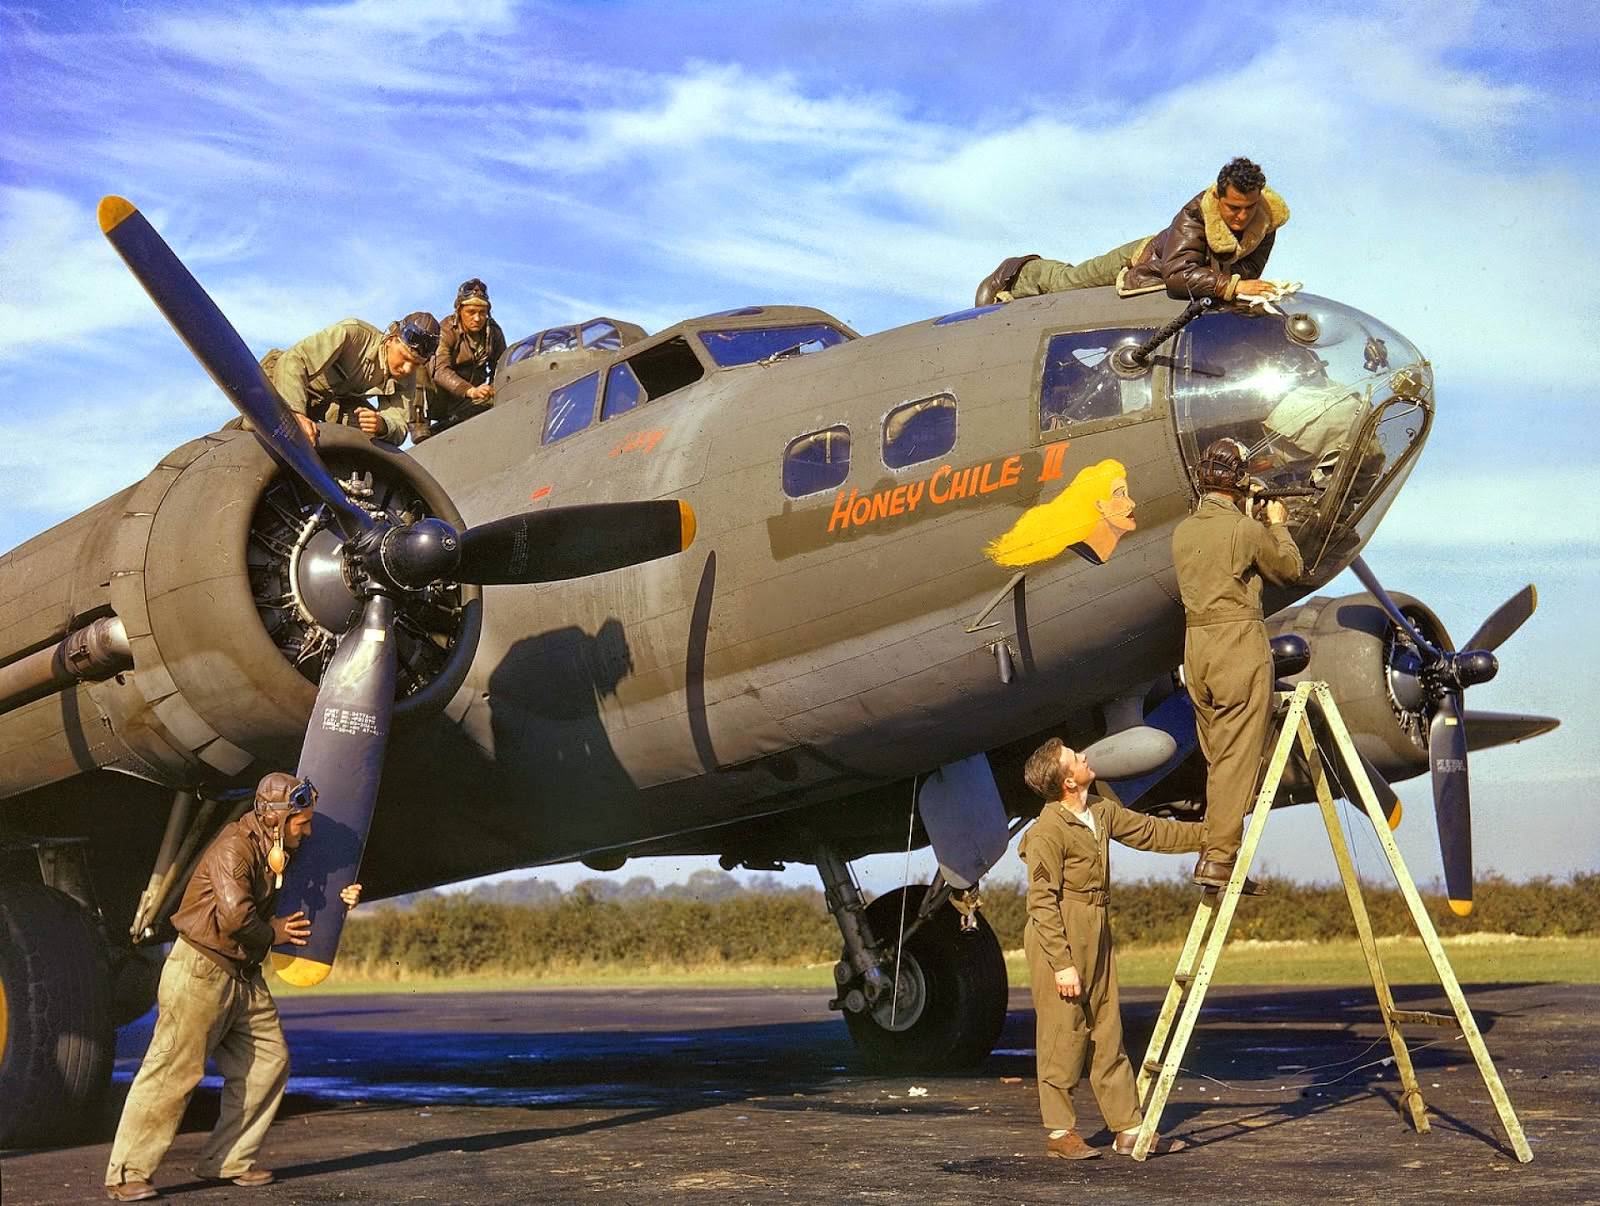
(1217, 246)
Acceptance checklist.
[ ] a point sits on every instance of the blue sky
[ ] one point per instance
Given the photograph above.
(655, 161)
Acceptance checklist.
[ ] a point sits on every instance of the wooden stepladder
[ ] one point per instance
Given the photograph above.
(1209, 933)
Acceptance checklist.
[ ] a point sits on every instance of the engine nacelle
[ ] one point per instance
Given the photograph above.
(1357, 651)
(199, 561)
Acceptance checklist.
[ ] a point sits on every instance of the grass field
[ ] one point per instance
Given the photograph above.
(1477, 958)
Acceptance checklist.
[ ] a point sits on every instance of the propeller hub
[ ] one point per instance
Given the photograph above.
(1474, 666)
(320, 584)
(1405, 678)
(421, 553)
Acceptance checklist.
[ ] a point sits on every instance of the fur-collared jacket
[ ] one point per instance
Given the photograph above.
(1198, 256)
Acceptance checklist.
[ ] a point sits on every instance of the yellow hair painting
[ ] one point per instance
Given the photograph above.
(1044, 532)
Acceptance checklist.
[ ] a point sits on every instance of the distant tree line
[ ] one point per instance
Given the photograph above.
(704, 885)
(532, 927)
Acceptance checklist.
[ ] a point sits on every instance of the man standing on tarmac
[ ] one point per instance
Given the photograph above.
(1222, 555)
(1071, 964)
(213, 1002)
(470, 345)
(327, 377)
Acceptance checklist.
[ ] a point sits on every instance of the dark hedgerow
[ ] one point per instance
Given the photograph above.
(455, 935)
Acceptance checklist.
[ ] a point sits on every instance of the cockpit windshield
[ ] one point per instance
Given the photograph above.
(1329, 402)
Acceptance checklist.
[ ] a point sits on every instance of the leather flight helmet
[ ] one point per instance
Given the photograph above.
(1222, 467)
(472, 293)
(284, 794)
(419, 331)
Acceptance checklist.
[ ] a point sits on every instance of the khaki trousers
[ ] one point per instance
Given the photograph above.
(1054, 276)
(1228, 669)
(1086, 1033)
(204, 1013)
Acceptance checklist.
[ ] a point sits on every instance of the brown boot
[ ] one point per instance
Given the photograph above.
(1070, 1147)
(132, 1191)
(1210, 874)
(1001, 279)
(1123, 1144)
(254, 1179)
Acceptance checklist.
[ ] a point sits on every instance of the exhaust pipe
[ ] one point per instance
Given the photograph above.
(92, 653)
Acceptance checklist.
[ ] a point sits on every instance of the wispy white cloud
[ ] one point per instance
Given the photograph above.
(363, 157)
(60, 459)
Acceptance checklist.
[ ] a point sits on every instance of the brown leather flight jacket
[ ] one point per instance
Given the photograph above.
(226, 912)
(1198, 256)
(463, 361)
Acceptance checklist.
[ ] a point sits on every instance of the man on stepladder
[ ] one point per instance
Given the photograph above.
(1222, 555)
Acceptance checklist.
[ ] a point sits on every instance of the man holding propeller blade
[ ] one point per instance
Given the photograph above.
(382, 557)
(214, 1004)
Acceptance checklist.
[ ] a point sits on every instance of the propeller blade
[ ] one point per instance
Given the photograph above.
(222, 353)
(573, 542)
(1452, 803)
(1387, 799)
(1375, 589)
(343, 758)
(1510, 616)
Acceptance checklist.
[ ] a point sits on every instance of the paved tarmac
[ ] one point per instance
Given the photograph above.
(754, 1096)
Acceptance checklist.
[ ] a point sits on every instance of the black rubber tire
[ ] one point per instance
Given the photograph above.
(58, 1042)
(967, 989)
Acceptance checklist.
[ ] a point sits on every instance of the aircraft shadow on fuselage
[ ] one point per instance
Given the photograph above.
(545, 698)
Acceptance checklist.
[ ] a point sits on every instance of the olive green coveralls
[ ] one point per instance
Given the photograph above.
(1056, 276)
(1222, 556)
(1069, 878)
(327, 375)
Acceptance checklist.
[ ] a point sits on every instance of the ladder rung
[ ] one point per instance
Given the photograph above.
(1153, 1066)
(1183, 979)
(1421, 1017)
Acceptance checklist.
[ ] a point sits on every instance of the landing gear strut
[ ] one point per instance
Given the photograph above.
(939, 1001)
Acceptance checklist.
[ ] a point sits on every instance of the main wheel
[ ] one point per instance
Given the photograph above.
(56, 1037)
(951, 1000)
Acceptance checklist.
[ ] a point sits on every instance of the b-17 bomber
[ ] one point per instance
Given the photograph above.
(755, 586)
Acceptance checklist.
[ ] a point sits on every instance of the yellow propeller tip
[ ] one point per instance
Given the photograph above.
(686, 522)
(299, 971)
(1394, 817)
(1461, 907)
(112, 212)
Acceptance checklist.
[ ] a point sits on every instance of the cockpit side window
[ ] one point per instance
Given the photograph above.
(749, 344)
(666, 367)
(818, 460)
(1080, 385)
(571, 408)
(919, 431)
(623, 392)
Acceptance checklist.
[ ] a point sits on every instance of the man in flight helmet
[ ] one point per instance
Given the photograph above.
(462, 369)
(1222, 556)
(328, 377)
(214, 1004)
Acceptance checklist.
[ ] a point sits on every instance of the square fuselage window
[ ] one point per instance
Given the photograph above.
(816, 461)
(919, 431)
